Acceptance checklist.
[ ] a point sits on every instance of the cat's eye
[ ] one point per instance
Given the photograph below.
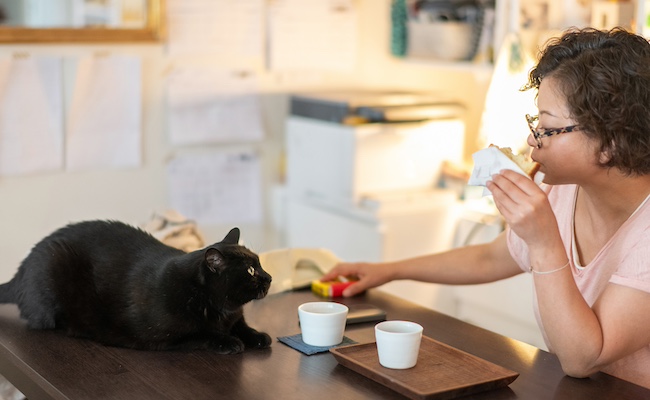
(251, 271)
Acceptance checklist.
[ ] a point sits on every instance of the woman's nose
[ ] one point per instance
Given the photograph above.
(530, 140)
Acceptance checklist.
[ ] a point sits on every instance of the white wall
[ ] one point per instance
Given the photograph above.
(33, 206)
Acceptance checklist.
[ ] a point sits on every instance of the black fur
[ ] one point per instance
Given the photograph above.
(118, 285)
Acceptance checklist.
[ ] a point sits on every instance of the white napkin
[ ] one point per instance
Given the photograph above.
(490, 161)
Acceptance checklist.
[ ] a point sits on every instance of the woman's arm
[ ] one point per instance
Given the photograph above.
(467, 265)
(584, 338)
(587, 339)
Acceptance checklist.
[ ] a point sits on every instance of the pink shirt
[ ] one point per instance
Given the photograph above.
(624, 260)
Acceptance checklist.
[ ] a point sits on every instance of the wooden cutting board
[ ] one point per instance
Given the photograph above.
(442, 372)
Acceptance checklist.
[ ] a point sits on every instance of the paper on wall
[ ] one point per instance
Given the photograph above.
(231, 30)
(105, 119)
(312, 35)
(31, 115)
(213, 105)
(216, 188)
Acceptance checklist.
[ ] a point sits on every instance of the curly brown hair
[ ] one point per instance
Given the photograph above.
(605, 77)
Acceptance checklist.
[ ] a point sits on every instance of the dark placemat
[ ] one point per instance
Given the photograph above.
(295, 342)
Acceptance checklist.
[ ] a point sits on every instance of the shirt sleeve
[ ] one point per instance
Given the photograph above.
(634, 270)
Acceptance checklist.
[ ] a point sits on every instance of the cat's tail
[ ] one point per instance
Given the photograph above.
(7, 292)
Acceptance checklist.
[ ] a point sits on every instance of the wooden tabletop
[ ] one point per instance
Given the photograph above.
(48, 365)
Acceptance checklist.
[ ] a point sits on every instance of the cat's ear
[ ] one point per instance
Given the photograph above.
(214, 260)
(232, 237)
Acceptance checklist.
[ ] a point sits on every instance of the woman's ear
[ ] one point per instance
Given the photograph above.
(604, 157)
(605, 153)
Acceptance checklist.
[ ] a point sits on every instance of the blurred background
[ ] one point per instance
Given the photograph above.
(339, 124)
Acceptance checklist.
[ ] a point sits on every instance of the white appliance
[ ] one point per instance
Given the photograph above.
(380, 229)
(368, 191)
(342, 164)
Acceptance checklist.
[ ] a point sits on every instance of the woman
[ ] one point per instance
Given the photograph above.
(585, 234)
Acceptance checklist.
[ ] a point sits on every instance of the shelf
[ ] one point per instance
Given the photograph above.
(483, 69)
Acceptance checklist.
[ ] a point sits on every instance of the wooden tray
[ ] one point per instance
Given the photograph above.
(442, 372)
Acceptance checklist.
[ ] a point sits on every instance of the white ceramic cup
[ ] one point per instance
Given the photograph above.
(398, 343)
(322, 323)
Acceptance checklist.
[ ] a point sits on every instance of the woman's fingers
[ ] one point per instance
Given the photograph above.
(342, 269)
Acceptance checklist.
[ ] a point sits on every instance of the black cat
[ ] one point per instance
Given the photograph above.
(118, 285)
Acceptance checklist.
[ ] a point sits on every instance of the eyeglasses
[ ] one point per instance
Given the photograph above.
(539, 134)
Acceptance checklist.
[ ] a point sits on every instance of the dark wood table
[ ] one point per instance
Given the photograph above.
(48, 365)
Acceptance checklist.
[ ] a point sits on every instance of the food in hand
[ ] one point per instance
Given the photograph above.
(527, 165)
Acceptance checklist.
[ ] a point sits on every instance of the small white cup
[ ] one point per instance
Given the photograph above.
(398, 343)
(322, 323)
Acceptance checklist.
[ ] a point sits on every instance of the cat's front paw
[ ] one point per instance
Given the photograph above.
(259, 340)
(228, 345)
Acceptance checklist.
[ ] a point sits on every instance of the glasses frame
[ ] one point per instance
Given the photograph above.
(539, 134)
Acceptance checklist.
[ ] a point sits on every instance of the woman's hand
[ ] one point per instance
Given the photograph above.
(524, 206)
(369, 274)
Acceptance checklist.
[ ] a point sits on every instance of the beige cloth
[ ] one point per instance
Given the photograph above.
(173, 229)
